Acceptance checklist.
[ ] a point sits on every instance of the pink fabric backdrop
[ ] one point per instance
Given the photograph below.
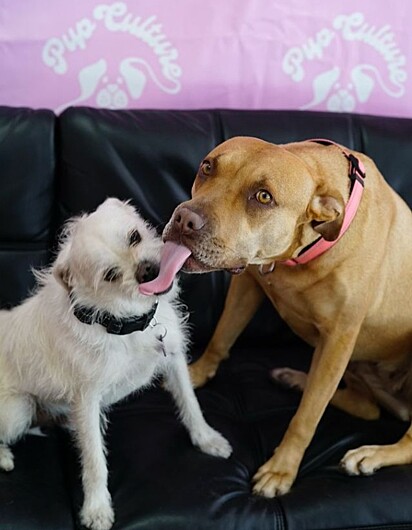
(340, 55)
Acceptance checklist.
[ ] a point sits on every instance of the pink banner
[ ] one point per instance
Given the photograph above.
(337, 55)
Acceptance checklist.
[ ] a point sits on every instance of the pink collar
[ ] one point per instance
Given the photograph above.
(357, 176)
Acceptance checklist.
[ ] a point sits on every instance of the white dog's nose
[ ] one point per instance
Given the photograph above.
(146, 271)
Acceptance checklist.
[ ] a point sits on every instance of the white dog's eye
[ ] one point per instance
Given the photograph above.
(134, 238)
(112, 274)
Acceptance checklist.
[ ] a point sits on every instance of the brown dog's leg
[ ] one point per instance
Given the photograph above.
(329, 362)
(367, 459)
(243, 299)
(349, 399)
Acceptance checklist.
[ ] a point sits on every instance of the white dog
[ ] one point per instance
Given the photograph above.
(87, 338)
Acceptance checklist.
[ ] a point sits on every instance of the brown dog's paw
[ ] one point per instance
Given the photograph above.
(200, 373)
(363, 461)
(270, 482)
(289, 378)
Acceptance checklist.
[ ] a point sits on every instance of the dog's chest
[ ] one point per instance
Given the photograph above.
(132, 364)
(291, 305)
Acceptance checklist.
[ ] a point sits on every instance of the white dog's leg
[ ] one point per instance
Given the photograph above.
(16, 414)
(201, 434)
(97, 512)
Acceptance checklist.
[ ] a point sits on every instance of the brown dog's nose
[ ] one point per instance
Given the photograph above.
(188, 221)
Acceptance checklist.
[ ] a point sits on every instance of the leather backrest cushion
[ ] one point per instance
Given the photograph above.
(27, 194)
(151, 157)
(388, 141)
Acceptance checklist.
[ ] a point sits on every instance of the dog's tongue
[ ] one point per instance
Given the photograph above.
(173, 258)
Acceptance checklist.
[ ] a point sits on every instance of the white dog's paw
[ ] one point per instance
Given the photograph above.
(6, 458)
(213, 443)
(97, 517)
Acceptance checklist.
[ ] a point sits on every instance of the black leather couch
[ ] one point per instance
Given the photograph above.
(52, 168)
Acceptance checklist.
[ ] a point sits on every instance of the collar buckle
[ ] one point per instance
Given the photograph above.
(356, 170)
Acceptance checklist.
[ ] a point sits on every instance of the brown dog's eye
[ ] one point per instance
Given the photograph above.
(206, 168)
(111, 275)
(264, 197)
(134, 238)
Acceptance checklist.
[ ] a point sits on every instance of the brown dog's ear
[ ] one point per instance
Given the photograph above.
(327, 213)
(62, 274)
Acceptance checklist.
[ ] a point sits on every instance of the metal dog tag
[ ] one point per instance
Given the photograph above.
(162, 345)
(161, 333)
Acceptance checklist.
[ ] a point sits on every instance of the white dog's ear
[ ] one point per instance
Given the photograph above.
(61, 272)
(61, 269)
(327, 212)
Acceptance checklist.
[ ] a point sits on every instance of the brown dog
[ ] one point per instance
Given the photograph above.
(255, 205)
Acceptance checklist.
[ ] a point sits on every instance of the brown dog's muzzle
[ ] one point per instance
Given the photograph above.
(186, 221)
(185, 226)
(192, 229)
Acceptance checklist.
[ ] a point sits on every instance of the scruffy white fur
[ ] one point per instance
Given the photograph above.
(48, 358)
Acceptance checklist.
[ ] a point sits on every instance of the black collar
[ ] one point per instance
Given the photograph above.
(114, 325)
